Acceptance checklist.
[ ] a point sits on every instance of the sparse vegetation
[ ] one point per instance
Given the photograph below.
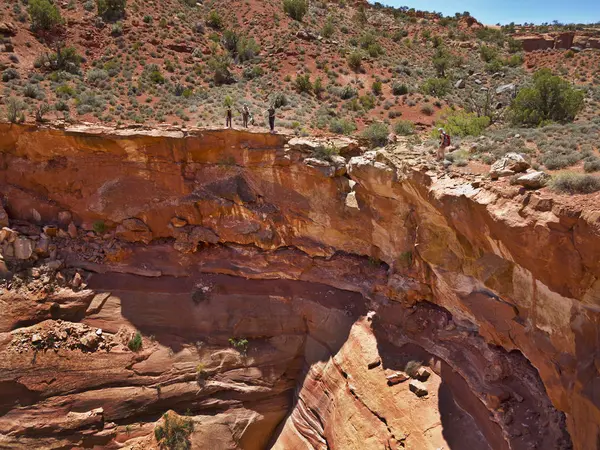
(174, 432)
(575, 183)
(377, 134)
(404, 128)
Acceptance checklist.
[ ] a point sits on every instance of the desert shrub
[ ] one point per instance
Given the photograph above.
(214, 20)
(376, 134)
(592, 164)
(325, 152)
(135, 344)
(377, 87)
(399, 89)
(347, 92)
(303, 83)
(318, 87)
(111, 9)
(253, 72)
(296, 9)
(279, 100)
(355, 60)
(488, 54)
(96, 75)
(458, 157)
(14, 109)
(116, 29)
(412, 367)
(441, 61)
(367, 101)
(515, 60)
(550, 99)
(10, 74)
(44, 15)
(559, 158)
(154, 74)
(32, 91)
(404, 128)
(328, 29)
(427, 110)
(575, 183)
(66, 59)
(246, 48)
(174, 433)
(342, 126)
(514, 45)
(220, 65)
(99, 227)
(462, 123)
(437, 87)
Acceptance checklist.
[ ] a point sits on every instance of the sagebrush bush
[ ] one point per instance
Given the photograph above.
(575, 183)
(377, 134)
(296, 9)
(355, 60)
(404, 128)
(399, 89)
(592, 164)
(342, 126)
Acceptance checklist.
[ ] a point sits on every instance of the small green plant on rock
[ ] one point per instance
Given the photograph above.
(241, 345)
(135, 344)
(174, 432)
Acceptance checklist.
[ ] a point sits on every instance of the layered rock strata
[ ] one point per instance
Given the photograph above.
(335, 275)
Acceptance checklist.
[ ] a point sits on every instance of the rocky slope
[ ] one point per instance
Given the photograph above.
(280, 297)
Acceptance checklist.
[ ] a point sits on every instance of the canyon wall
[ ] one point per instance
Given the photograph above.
(336, 273)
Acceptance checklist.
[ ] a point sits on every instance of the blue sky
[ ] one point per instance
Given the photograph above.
(505, 11)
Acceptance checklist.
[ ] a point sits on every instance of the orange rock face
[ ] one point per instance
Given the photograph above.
(276, 296)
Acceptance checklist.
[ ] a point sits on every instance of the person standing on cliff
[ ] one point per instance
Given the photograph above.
(245, 115)
(444, 144)
(229, 116)
(271, 112)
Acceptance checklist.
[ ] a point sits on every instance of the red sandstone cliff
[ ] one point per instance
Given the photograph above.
(337, 273)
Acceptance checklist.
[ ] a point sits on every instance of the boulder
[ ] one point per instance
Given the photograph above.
(508, 165)
(423, 374)
(90, 341)
(533, 180)
(72, 230)
(460, 84)
(419, 389)
(36, 339)
(396, 378)
(23, 248)
(8, 29)
(505, 88)
(134, 230)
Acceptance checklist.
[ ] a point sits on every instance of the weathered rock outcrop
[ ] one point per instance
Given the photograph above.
(224, 234)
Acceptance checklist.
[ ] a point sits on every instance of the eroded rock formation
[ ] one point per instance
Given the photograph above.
(278, 295)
